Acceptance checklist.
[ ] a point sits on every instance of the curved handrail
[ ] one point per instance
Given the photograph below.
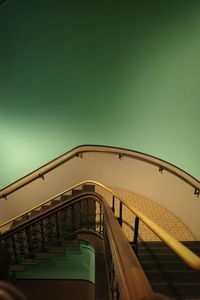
(78, 151)
(182, 251)
(132, 281)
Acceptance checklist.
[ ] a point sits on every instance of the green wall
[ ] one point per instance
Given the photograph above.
(119, 73)
(75, 263)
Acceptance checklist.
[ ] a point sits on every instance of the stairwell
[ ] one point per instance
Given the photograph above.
(62, 270)
(166, 272)
(40, 269)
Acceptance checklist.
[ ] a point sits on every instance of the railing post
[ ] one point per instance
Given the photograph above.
(113, 204)
(134, 244)
(120, 214)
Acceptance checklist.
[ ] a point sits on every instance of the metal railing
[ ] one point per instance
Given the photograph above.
(182, 251)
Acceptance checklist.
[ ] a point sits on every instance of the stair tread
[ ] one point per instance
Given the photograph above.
(44, 207)
(56, 250)
(16, 268)
(65, 197)
(45, 255)
(76, 192)
(172, 277)
(88, 188)
(167, 273)
(34, 213)
(30, 261)
(55, 202)
(71, 243)
(183, 283)
(15, 223)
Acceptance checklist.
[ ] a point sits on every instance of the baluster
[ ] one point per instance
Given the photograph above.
(113, 204)
(100, 220)
(42, 235)
(135, 238)
(120, 214)
(29, 240)
(88, 226)
(57, 229)
(14, 248)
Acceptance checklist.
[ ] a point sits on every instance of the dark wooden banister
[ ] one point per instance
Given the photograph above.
(132, 281)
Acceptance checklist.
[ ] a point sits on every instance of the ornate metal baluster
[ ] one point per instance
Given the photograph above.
(88, 226)
(100, 227)
(14, 248)
(57, 229)
(29, 240)
(42, 236)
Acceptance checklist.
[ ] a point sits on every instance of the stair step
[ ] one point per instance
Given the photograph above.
(163, 258)
(160, 251)
(15, 223)
(160, 248)
(16, 268)
(44, 208)
(161, 245)
(29, 261)
(178, 266)
(191, 244)
(34, 213)
(76, 192)
(65, 197)
(55, 202)
(71, 243)
(45, 255)
(57, 250)
(155, 250)
(178, 290)
(173, 276)
(88, 188)
(23, 218)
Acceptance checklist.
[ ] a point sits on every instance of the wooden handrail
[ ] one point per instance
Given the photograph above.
(78, 151)
(133, 283)
(182, 251)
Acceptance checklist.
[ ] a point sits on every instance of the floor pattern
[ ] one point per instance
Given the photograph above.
(160, 215)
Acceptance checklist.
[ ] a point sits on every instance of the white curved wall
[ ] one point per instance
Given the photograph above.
(128, 173)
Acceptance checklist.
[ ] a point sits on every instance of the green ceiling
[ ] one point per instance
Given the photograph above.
(119, 73)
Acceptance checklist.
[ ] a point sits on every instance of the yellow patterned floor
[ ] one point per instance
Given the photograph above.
(160, 215)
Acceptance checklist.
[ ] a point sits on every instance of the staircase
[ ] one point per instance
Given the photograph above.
(167, 273)
(53, 268)
(69, 269)
(48, 206)
(55, 225)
